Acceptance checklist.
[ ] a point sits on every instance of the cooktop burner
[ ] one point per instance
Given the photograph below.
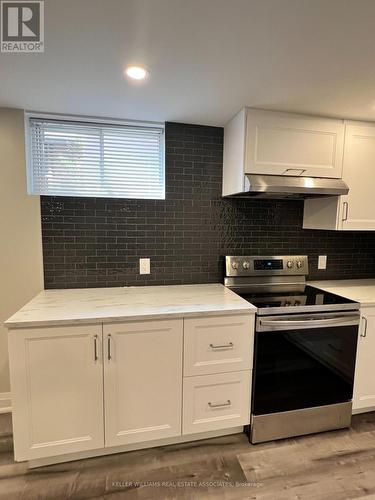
(309, 296)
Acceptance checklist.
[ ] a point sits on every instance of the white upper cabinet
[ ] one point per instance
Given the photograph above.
(292, 144)
(356, 210)
(358, 206)
(275, 143)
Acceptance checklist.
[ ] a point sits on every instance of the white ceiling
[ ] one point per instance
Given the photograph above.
(207, 58)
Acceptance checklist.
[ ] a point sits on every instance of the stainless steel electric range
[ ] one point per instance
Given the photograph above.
(305, 348)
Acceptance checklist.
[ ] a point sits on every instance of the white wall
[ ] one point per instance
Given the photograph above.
(21, 273)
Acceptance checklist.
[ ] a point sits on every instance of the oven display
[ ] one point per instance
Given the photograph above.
(262, 264)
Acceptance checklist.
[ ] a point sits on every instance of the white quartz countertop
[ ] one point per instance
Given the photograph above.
(362, 291)
(105, 305)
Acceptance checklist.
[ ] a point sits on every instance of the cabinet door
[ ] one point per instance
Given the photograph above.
(57, 390)
(217, 344)
(358, 206)
(292, 144)
(142, 381)
(364, 382)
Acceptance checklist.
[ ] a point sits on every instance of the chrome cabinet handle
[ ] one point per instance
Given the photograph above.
(220, 405)
(96, 348)
(297, 171)
(109, 347)
(345, 208)
(364, 333)
(230, 345)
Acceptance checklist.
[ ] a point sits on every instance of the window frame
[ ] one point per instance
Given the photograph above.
(28, 115)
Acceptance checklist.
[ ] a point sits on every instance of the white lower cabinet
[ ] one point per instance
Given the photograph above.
(142, 381)
(218, 361)
(216, 401)
(88, 387)
(57, 390)
(364, 382)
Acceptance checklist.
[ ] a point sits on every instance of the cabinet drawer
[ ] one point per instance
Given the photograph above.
(218, 344)
(213, 402)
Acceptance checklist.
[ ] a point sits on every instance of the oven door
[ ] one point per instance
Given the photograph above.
(304, 360)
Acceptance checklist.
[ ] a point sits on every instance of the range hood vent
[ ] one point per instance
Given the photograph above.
(280, 186)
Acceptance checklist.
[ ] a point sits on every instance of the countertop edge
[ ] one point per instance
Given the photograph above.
(128, 318)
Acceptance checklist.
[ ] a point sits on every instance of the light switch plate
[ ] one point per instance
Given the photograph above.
(144, 266)
(322, 262)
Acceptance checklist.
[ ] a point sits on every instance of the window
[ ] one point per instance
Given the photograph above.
(72, 158)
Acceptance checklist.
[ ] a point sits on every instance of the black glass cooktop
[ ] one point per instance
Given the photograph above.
(309, 296)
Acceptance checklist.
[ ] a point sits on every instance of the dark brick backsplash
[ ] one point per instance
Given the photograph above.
(94, 242)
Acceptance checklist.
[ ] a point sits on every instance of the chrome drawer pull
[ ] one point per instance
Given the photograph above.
(345, 208)
(224, 346)
(220, 405)
(364, 332)
(95, 348)
(109, 353)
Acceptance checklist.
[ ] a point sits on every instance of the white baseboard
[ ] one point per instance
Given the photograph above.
(42, 462)
(5, 402)
(356, 411)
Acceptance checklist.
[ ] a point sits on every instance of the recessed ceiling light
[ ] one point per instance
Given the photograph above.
(136, 72)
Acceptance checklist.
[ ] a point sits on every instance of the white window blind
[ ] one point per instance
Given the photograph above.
(91, 159)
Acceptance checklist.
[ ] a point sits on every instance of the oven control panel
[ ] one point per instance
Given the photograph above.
(269, 264)
(285, 265)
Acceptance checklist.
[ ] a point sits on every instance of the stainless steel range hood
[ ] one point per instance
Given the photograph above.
(280, 186)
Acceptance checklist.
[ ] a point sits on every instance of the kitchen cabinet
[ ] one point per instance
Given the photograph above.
(293, 144)
(86, 388)
(216, 401)
(364, 381)
(218, 361)
(142, 381)
(57, 390)
(217, 344)
(275, 143)
(356, 210)
(57, 382)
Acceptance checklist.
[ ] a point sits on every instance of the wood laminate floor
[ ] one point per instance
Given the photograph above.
(337, 465)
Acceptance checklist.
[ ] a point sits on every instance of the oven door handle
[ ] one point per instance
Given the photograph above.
(288, 324)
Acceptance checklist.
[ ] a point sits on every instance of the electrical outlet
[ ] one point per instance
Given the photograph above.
(144, 266)
(322, 262)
